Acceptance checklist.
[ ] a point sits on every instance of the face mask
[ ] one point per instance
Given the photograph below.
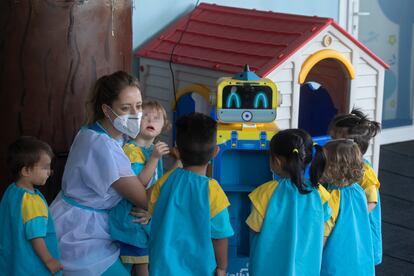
(127, 124)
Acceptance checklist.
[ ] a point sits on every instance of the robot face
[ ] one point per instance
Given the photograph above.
(247, 102)
(247, 97)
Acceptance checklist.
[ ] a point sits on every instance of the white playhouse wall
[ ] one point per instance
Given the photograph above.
(366, 90)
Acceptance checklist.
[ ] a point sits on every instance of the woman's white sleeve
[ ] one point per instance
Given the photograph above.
(105, 164)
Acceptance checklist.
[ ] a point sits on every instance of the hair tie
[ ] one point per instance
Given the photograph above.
(295, 150)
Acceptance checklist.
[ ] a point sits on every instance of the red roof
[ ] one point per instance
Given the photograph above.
(225, 39)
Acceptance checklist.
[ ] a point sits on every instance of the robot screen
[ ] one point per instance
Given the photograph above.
(247, 97)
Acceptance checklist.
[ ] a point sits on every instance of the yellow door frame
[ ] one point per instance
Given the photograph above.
(312, 60)
(201, 89)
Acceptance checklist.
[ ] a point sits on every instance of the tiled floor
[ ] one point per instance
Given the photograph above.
(396, 174)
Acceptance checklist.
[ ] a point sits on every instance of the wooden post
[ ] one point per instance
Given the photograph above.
(51, 52)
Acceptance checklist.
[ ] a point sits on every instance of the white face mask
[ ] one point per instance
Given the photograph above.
(127, 124)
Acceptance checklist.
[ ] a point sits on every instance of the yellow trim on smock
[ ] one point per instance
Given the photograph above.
(33, 206)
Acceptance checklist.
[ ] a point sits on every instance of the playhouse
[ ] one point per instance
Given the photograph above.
(318, 68)
(292, 50)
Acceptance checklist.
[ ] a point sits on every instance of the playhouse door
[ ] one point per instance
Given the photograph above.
(324, 92)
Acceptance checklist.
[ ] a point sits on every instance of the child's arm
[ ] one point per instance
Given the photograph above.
(260, 198)
(220, 225)
(371, 206)
(371, 193)
(177, 164)
(41, 250)
(254, 220)
(220, 251)
(370, 184)
(328, 227)
(331, 212)
(35, 216)
(160, 149)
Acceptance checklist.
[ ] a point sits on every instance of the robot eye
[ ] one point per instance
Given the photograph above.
(233, 98)
(260, 98)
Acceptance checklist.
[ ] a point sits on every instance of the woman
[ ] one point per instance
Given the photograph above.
(97, 176)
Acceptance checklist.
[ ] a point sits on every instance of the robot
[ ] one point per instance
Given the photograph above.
(245, 111)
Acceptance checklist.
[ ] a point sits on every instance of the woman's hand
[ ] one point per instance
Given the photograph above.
(142, 216)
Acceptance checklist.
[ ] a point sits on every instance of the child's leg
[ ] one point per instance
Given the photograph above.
(140, 270)
(136, 258)
(116, 269)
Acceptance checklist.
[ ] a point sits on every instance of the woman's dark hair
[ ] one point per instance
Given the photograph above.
(295, 153)
(106, 91)
(356, 126)
(25, 152)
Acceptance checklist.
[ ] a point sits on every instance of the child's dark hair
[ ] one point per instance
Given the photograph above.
(307, 143)
(296, 152)
(356, 126)
(196, 139)
(25, 152)
(344, 163)
(106, 91)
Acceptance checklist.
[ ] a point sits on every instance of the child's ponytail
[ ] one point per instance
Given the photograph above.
(374, 128)
(364, 126)
(318, 165)
(295, 167)
(291, 147)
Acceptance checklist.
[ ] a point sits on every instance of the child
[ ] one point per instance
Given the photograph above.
(357, 127)
(146, 162)
(348, 248)
(190, 220)
(28, 244)
(288, 214)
